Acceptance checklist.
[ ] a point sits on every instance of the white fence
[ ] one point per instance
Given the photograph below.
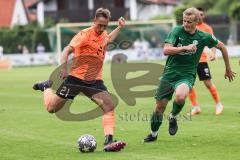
(133, 55)
(30, 59)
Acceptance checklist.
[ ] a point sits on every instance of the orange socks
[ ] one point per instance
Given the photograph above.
(108, 123)
(212, 90)
(214, 93)
(193, 97)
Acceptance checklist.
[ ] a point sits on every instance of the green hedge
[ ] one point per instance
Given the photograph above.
(29, 35)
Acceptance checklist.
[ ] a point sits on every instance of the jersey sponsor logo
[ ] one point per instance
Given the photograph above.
(181, 39)
(187, 53)
(195, 42)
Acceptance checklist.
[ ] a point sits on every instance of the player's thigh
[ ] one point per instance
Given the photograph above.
(165, 90)
(104, 100)
(58, 101)
(70, 88)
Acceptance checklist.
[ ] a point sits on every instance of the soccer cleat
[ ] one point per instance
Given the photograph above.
(219, 108)
(173, 127)
(195, 110)
(109, 139)
(114, 146)
(42, 85)
(149, 138)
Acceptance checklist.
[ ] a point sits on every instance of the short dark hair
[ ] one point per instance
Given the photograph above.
(103, 12)
(200, 9)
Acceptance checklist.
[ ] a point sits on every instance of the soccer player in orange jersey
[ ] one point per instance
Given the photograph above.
(204, 72)
(88, 48)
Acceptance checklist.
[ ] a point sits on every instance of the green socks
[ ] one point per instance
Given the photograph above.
(177, 108)
(156, 121)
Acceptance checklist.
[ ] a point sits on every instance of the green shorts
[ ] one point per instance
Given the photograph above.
(166, 88)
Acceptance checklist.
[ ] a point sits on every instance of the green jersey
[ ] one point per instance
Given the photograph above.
(184, 64)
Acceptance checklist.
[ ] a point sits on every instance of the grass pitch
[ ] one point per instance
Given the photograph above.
(28, 132)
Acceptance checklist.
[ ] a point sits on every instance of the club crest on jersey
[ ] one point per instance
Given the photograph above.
(195, 42)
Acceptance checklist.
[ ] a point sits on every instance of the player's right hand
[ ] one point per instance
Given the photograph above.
(121, 22)
(63, 73)
(190, 48)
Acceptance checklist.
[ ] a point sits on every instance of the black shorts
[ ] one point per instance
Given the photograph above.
(73, 86)
(203, 71)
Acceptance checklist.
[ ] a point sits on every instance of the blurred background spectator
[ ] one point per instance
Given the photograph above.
(40, 48)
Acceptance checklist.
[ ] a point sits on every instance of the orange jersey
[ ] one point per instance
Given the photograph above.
(205, 28)
(88, 54)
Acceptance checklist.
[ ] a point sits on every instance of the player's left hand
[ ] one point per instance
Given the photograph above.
(121, 22)
(212, 57)
(229, 74)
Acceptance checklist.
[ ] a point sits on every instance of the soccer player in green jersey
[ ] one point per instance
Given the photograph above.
(183, 46)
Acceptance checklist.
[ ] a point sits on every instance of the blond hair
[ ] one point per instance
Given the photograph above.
(101, 12)
(192, 11)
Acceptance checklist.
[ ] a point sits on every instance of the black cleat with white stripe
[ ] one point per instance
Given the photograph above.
(42, 85)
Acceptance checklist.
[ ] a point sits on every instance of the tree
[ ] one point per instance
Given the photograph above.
(213, 7)
(206, 4)
(178, 14)
(235, 11)
(29, 35)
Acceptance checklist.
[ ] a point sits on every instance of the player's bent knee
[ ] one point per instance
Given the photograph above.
(109, 108)
(159, 109)
(180, 98)
(53, 103)
(50, 106)
(51, 110)
(208, 85)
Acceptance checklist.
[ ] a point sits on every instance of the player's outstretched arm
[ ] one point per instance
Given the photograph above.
(114, 33)
(212, 54)
(228, 73)
(64, 58)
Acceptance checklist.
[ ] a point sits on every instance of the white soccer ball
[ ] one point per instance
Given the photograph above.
(87, 143)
